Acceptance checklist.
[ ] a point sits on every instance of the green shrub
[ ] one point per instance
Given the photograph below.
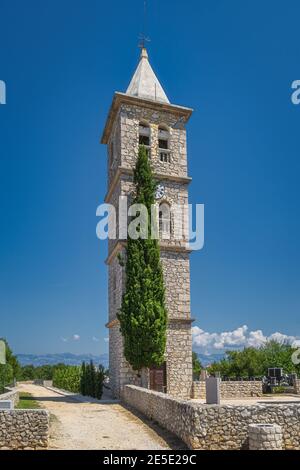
(6, 376)
(68, 378)
(85, 379)
(100, 377)
(278, 389)
(92, 379)
(10, 370)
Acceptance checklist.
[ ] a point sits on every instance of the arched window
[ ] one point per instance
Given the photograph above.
(164, 221)
(144, 135)
(164, 143)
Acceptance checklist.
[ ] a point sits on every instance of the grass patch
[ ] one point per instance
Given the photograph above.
(27, 401)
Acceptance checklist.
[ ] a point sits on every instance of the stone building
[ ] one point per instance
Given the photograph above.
(144, 115)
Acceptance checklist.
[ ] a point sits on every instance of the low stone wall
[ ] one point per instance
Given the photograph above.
(265, 437)
(240, 389)
(24, 429)
(231, 389)
(297, 386)
(213, 427)
(199, 390)
(43, 383)
(10, 394)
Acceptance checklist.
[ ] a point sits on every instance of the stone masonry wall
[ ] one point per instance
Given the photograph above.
(116, 280)
(179, 339)
(231, 389)
(213, 427)
(24, 429)
(297, 386)
(43, 383)
(130, 117)
(120, 371)
(239, 389)
(176, 195)
(265, 437)
(114, 150)
(199, 390)
(179, 359)
(176, 269)
(10, 394)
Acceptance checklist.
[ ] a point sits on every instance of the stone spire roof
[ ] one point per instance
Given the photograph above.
(144, 83)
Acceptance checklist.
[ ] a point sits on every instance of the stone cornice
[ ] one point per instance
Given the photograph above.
(163, 247)
(128, 171)
(181, 320)
(115, 321)
(123, 98)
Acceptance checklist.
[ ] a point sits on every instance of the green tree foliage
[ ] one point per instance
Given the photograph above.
(88, 380)
(83, 379)
(27, 372)
(10, 370)
(99, 381)
(45, 372)
(92, 379)
(143, 315)
(197, 366)
(6, 376)
(254, 362)
(68, 378)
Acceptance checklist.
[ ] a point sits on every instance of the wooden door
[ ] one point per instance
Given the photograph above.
(158, 378)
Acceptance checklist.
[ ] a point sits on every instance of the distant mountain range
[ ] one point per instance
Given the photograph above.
(77, 359)
(65, 358)
(207, 359)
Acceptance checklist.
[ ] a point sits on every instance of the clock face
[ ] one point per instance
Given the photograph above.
(160, 191)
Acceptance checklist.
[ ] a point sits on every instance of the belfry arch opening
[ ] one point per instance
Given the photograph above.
(164, 143)
(145, 136)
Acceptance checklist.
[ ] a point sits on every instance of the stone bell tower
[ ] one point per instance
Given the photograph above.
(144, 115)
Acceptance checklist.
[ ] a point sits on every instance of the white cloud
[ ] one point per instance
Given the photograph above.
(64, 340)
(240, 337)
(76, 337)
(256, 338)
(106, 340)
(95, 339)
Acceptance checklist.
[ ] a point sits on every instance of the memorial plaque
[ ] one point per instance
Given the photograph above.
(6, 405)
(213, 390)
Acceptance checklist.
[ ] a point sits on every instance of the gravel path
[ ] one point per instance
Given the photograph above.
(77, 425)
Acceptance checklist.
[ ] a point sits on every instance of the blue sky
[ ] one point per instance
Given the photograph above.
(233, 62)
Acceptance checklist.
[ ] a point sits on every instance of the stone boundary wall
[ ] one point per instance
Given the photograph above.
(24, 429)
(199, 390)
(297, 386)
(231, 389)
(265, 437)
(243, 388)
(43, 383)
(11, 394)
(213, 427)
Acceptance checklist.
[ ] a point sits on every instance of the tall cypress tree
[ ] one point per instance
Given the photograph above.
(83, 379)
(143, 315)
(92, 379)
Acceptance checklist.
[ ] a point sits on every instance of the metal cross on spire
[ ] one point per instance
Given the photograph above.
(143, 38)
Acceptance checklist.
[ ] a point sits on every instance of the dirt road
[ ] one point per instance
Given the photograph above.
(76, 425)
